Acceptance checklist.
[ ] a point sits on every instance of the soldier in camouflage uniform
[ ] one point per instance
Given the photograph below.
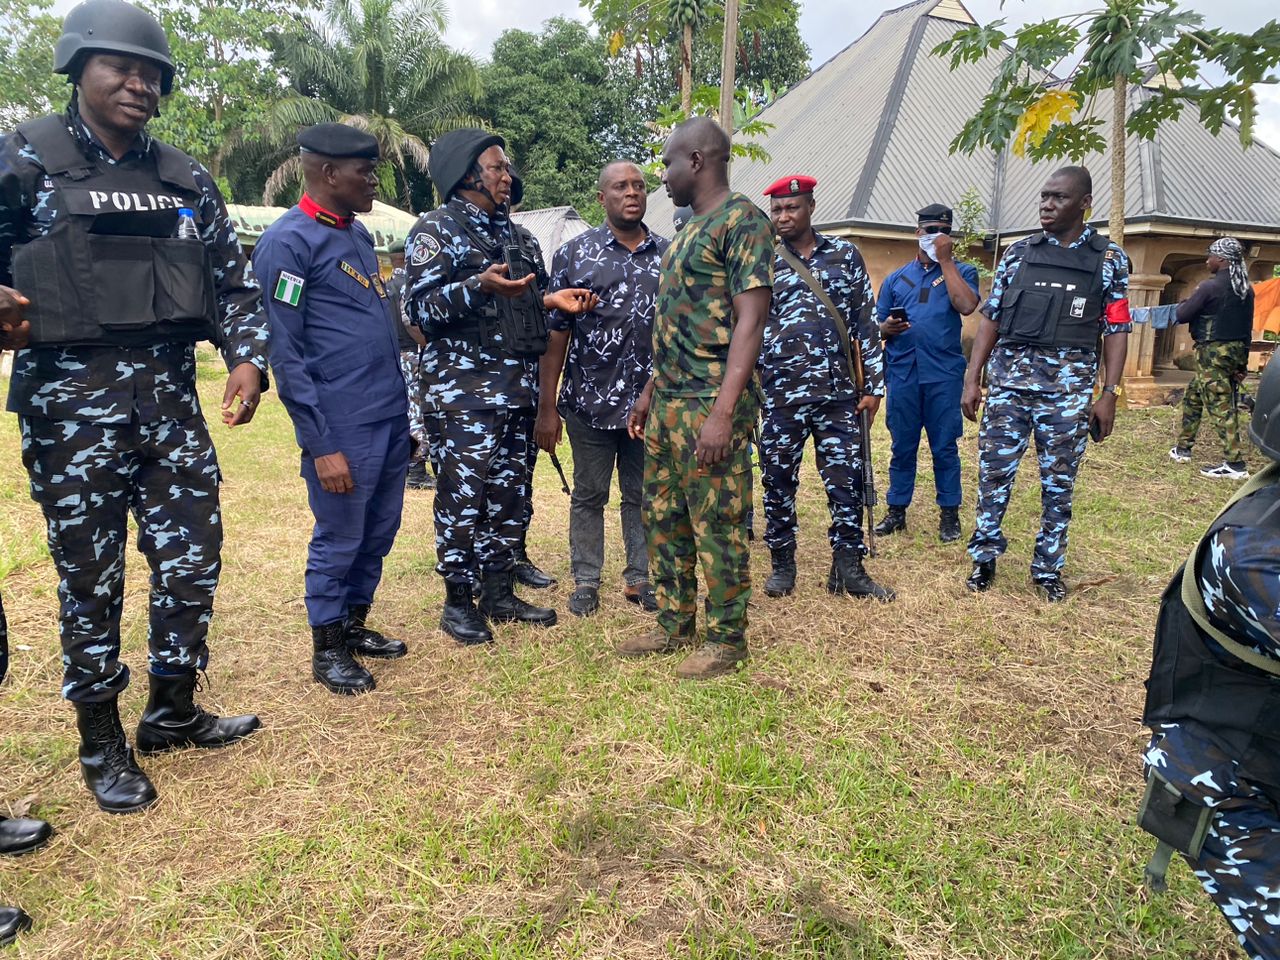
(700, 405)
(1052, 295)
(811, 391)
(1220, 314)
(1214, 758)
(479, 396)
(106, 395)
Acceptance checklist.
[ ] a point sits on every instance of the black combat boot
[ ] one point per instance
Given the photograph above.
(106, 760)
(984, 573)
(21, 835)
(894, 520)
(948, 524)
(12, 922)
(460, 619)
(332, 664)
(174, 719)
(783, 578)
(419, 477)
(834, 583)
(364, 642)
(855, 580)
(499, 603)
(529, 574)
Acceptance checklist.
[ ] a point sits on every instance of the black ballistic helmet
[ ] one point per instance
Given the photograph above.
(112, 26)
(1264, 428)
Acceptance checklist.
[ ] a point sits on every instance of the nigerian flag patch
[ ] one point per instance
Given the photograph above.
(289, 289)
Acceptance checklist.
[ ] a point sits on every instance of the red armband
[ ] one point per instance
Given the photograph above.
(1118, 312)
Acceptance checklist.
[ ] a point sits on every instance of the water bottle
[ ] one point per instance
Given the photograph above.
(187, 229)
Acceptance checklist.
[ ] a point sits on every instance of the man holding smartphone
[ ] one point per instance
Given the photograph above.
(919, 311)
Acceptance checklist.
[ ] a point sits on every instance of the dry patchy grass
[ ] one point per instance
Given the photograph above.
(948, 776)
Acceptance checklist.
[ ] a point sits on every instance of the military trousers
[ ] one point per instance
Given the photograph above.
(410, 363)
(697, 516)
(1059, 424)
(355, 531)
(596, 453)
(481, 462)
(836, 432)
(87, 478)
(934, 408)
(530, 467)
(1214, 390)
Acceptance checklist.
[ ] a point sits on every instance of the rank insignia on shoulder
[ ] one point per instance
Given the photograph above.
(354, 274)
(379, 286)
(328, 219)
(289, 288)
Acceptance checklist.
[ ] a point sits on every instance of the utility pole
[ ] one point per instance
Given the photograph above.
(728, 65)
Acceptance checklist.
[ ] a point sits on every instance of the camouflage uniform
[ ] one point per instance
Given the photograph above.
(478, 400)
(1045, 393)
(107, 430)
(700, 514)
(808, 390)
(1213, 390)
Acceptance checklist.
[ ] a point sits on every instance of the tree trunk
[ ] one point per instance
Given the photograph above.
(686, 69)
(728, 65)
(1119, 112)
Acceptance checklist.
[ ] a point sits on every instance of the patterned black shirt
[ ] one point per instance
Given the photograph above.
(109, 384)
(611, 348)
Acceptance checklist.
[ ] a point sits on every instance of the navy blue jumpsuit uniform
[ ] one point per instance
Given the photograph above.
(336, 357)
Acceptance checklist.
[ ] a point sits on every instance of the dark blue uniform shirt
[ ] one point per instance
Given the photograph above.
(929, 350)
(334, 346)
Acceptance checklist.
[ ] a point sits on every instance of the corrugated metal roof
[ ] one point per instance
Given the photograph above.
(552, 226)
(874, 124)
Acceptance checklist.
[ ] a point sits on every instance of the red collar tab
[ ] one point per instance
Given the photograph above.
(320, 215)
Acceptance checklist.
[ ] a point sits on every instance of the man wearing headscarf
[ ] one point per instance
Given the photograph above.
(1220, 313)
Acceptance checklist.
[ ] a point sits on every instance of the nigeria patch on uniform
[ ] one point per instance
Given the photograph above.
(424, 249)
(289, 288)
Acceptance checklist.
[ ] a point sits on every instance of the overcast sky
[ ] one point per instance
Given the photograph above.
(828, 26)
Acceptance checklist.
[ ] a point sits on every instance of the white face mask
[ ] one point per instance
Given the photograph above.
(927, 244)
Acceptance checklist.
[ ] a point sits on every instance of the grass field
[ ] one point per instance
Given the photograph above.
(949, 776)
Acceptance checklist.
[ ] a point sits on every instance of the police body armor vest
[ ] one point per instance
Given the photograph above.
(110, 271)
(520, 324)
(1055, 299)
(1237, 702)
(1233, 319)
(395, 299)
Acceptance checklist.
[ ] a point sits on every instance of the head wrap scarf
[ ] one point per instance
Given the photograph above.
(1231, 250)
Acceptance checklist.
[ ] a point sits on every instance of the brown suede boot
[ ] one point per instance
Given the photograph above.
(711, 660)
(655, 641)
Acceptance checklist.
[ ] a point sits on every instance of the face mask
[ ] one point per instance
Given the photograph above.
(927, 243)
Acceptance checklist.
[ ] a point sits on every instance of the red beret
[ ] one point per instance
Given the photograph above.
(791, 186)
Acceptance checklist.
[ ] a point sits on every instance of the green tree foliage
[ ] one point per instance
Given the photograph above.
(1123, 43)
(28, 85)
(380, 65)
(562, 110)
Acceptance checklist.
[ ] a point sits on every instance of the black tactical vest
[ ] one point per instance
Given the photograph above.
(1055, 299)
(1232, 318)
(1192, 678)
(110, 271)
(395, 299)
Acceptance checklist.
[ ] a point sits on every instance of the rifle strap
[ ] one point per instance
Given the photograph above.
(842, 327)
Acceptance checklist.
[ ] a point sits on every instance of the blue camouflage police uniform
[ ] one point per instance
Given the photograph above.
(808, 391)
(114, 427)
(336, 356)
(1045, 393)
(924, 375)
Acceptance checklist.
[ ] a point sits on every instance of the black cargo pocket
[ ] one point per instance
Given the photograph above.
(183, 281)
(1033, 314)
(123, 281)
(54, 313)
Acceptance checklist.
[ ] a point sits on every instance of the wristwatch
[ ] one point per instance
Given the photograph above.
(1114, 388)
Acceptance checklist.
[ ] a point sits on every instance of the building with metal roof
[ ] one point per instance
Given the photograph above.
(874, 125)
(552, 226)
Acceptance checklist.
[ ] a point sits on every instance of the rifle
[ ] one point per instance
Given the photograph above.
(853, 360)
(564, 483)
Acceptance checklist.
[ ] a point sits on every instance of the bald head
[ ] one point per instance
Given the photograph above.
(702, 135)
(696, 163)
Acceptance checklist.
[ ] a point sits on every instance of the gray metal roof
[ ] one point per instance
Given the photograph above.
(873, 125)
(552, 226)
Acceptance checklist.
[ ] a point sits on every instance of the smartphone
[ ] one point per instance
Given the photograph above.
(898, 313)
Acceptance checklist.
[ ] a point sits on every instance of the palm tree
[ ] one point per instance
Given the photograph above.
(379, 65)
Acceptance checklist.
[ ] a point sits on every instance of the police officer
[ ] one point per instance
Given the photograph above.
(91, 242)
(1213, 763)
(1053, 294)
(811, 388)
(479, 376)
(919, 311)
(411, 343)
(335, 351)
(1220, 314)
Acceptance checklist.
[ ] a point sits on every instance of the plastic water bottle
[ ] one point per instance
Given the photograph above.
(187, 229)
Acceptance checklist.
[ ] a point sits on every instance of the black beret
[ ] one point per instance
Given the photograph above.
(338, 140)
(455, 152)
(934, 213)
